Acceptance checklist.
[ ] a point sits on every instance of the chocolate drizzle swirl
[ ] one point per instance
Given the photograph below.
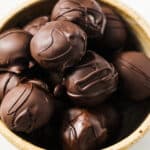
(25, 111)
(85, 130)
(86, 13)
(92, 81)
(64, 46)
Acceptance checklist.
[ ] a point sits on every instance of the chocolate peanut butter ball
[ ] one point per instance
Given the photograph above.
(115, 34)
(7, 82)
(34, 26)
(86, 13)
(26, 107)
(14, 50)
(92, 81)
(134, 71)
(87, 130)
(62, 45)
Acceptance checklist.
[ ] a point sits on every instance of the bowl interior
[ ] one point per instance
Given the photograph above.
(133, 113)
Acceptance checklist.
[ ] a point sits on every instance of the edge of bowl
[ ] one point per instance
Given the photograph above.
(143, 32)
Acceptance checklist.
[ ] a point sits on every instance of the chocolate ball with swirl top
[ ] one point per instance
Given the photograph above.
(7, 82)
(87, 130)
(34, 26)
(134, 72)
(86, 13)
(15, 50)
(26, 107)
(63, 45)
(92, 81)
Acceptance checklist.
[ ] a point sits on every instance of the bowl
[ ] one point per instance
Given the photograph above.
(33, 8)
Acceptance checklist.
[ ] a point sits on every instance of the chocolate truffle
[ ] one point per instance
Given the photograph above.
(115, 32)
(63, 45)
(87, 130)
(92, 81)
(14, 50)
(134, 72)
(34, 26)
(86, 13)
(26, 107)
(7, 82)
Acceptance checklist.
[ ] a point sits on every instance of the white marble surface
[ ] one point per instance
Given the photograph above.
(141, 6)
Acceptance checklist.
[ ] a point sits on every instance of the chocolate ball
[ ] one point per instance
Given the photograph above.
(34, 26)
(14, 50)
(62, 45)
(87, 130)
(26, 108)
(115, 34)
(92, 81)
(133, 68)
(7, 82)
(86, 13)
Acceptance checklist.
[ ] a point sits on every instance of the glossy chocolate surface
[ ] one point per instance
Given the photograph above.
(34, 26)
(87, 130)
(7, 82)
(39, 83)
(92, 81)
(86, 13)
(115, 34)
(64, 44)
(26, 108)
(133, 68)
(14, 50)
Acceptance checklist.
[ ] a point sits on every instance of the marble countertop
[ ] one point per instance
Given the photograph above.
(141, 6)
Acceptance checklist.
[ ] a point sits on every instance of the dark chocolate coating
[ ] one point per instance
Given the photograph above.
(55, 78)
(14, 50)
(115, 34)
(88, 130)
(26, 108)
(86, 13)
(134, 72)
(63, 45)
(56, 83)
(92, 81)
(39, 83)
(34, 26)
(7, 82)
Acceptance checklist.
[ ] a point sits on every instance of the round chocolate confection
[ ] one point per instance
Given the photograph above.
(134, 71)
(26, 107)
(62, 45)
(87, 130)
(92, 81)
(86, 13)
(7, 82)
(115, 34)
(15, 50)
(34, 26)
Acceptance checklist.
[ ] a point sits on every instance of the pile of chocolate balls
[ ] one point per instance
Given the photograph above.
(59, 72)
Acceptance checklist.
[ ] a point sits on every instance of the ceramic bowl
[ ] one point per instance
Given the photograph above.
(33, 8)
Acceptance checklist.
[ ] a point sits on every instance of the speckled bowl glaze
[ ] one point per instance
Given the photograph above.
(33, 8)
